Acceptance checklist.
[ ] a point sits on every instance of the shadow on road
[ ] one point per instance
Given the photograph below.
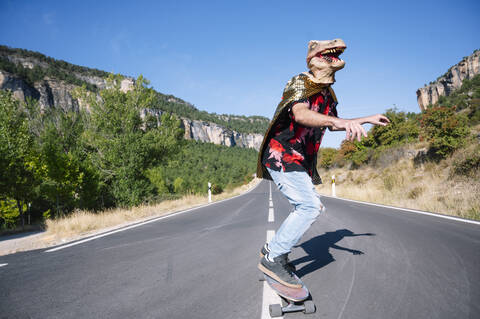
(317, 250)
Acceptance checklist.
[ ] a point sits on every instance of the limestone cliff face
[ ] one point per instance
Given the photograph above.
(214, 133)
(52, 93)
(48, 92)
(20, 89)
(450, 81)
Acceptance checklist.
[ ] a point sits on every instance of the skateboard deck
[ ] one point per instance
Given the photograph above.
(294, 297)
(293, 294)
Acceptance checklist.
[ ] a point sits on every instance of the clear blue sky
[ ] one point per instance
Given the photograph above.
(235, 56)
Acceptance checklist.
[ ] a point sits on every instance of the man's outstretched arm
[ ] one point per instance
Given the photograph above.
(353, 127)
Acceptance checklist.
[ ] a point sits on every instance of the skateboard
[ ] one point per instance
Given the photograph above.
(295, 298)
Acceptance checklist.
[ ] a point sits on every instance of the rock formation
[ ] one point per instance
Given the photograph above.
(214, 133)
(450, 81)
(56, 93)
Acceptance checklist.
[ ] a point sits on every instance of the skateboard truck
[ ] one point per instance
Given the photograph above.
(295, 298)
(277, 310)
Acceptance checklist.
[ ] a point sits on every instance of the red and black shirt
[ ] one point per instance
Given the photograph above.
(293, 146)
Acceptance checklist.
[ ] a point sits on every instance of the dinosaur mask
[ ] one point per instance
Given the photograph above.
(323, 60)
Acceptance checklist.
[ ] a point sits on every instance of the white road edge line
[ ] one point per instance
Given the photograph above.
(409, 210)
(269, 296)
(1, 265)
(144, 223)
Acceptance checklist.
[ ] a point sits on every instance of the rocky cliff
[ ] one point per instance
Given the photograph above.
(214, 133)
(53, 92)
(450, 81)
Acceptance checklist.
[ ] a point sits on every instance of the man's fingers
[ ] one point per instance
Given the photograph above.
(380, 123)
(349, 132)
(355, 131)
(358, 133)
(363, 131)
(380, 119)
(352, 134)
(383, 120)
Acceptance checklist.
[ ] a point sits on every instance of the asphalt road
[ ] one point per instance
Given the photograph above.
(359, 261)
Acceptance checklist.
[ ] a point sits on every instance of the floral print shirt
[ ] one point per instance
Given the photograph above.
(293, 146)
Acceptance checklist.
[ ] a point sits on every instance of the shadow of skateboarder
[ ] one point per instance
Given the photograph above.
(317, 250)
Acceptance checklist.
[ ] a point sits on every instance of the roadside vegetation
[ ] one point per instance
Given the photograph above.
(83, 223)
(54, 163)
(428, 161)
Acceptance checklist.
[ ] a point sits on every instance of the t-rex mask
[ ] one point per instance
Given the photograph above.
(323, 62)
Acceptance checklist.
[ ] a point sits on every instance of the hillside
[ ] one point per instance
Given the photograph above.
(428, 161)
(74, 138)
(51, 82)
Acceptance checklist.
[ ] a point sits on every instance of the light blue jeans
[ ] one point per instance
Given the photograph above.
(301, 193)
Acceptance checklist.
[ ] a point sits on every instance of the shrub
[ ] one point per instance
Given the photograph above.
(445, 130)
(403, 128)
(474, 113)
(327, 156)
(345, 152)
(217, 189)
(469, 163)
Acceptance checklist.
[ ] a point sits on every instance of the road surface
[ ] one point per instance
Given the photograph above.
(359, 261)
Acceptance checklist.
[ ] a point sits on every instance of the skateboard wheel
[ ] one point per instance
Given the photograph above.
(275, 310)
(309, 307)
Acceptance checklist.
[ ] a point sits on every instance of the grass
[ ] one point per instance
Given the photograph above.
(85, 223)
(431, 186)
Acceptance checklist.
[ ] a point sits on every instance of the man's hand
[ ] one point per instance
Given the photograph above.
(307, 117)
(354, 127)
(377, 119)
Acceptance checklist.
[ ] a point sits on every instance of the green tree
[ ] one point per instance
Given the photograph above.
(9, 212)
(63, 176)
(122, 146)
(156, 176)
(17, 177)
(178, 185)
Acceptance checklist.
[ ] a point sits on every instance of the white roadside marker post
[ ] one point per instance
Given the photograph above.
(209, 192)
(333, 186)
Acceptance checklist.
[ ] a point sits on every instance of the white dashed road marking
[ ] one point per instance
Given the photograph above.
(1, 265)
(270, 215)
(269, 296)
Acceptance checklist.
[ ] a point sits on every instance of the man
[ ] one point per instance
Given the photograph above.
(288, 154)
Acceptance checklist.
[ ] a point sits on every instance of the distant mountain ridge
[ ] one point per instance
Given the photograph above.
(31, 74)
